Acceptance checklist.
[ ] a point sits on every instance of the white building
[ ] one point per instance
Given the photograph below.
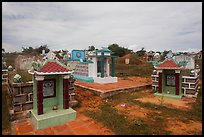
(94, 68)
(186, 57)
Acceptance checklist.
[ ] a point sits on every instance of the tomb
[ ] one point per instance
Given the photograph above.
(93, 66)
(51, 86)
(168, 80)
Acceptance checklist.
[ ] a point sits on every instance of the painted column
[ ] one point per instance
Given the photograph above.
(160, 82)
(107, 67)
(113, 66)
(39, 94)
(102, 64)
(177, 83)
(66, 86)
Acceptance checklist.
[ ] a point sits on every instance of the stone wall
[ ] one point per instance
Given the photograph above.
(190, 85)
(23, 96)
(4, 76)
(155, 82)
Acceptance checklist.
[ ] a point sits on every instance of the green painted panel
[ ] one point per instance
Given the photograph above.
(169, 88)
(102, 65)
(168, 95)
(172, 89)
(60, 98)
(113, 67)
(50, 102)
(52, 118)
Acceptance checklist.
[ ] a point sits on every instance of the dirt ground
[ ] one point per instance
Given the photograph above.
(131, 111)
(140, 79)
(181, 128)
(172, 103)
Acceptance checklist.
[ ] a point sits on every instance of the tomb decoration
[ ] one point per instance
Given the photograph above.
(52, 94)
(17, 78)
(93, 66)
(169, 81)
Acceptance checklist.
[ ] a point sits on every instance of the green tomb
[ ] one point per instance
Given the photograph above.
(51, 85)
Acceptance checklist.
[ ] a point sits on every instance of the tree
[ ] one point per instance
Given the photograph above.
(119, 51)
(41, 48)
(164, 55)
(36, 50)
(91, 48)
(27, 50)
(141, 52)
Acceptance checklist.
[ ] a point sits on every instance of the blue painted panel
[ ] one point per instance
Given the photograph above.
(83, 78)
(78, 54)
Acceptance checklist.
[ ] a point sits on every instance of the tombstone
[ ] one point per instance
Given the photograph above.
(10, 68)
(17, 78)
(94, 67)
(51, 86)
(168, 80)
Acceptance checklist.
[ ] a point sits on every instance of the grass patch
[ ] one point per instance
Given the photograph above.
(197, 106)
(123, 70)
(116, 122)
(153, 124)
(25, 76)
(120, 125)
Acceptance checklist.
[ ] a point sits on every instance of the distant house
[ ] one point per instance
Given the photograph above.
(127, 58)
(24, 62)
(150, 55)
(199, 55)
(51, 55)
(189, 58)
(157, 57)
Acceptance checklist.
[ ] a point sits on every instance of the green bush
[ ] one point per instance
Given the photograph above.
(25, 76)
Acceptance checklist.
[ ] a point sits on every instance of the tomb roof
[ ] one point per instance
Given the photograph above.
(168, 63)
(52, 67)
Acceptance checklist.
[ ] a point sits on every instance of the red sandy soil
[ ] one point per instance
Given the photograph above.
(169, 102)
(132, 111)
(139, 79)
(181, 128)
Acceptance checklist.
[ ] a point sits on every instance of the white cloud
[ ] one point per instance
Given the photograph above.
(9, 47)
(155, 26)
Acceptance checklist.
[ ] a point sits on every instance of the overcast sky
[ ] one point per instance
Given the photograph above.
(154, 26)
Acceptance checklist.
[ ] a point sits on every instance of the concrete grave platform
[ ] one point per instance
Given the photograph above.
(109, 89)
(52, 117)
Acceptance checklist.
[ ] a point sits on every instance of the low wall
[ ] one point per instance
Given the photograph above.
(23, 96)
(4, 76)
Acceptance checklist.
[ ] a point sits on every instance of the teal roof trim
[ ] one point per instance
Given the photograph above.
(104, 50)
(169, 59)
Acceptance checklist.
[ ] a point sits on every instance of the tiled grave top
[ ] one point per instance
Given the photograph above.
(168, 64)
(52, 67)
